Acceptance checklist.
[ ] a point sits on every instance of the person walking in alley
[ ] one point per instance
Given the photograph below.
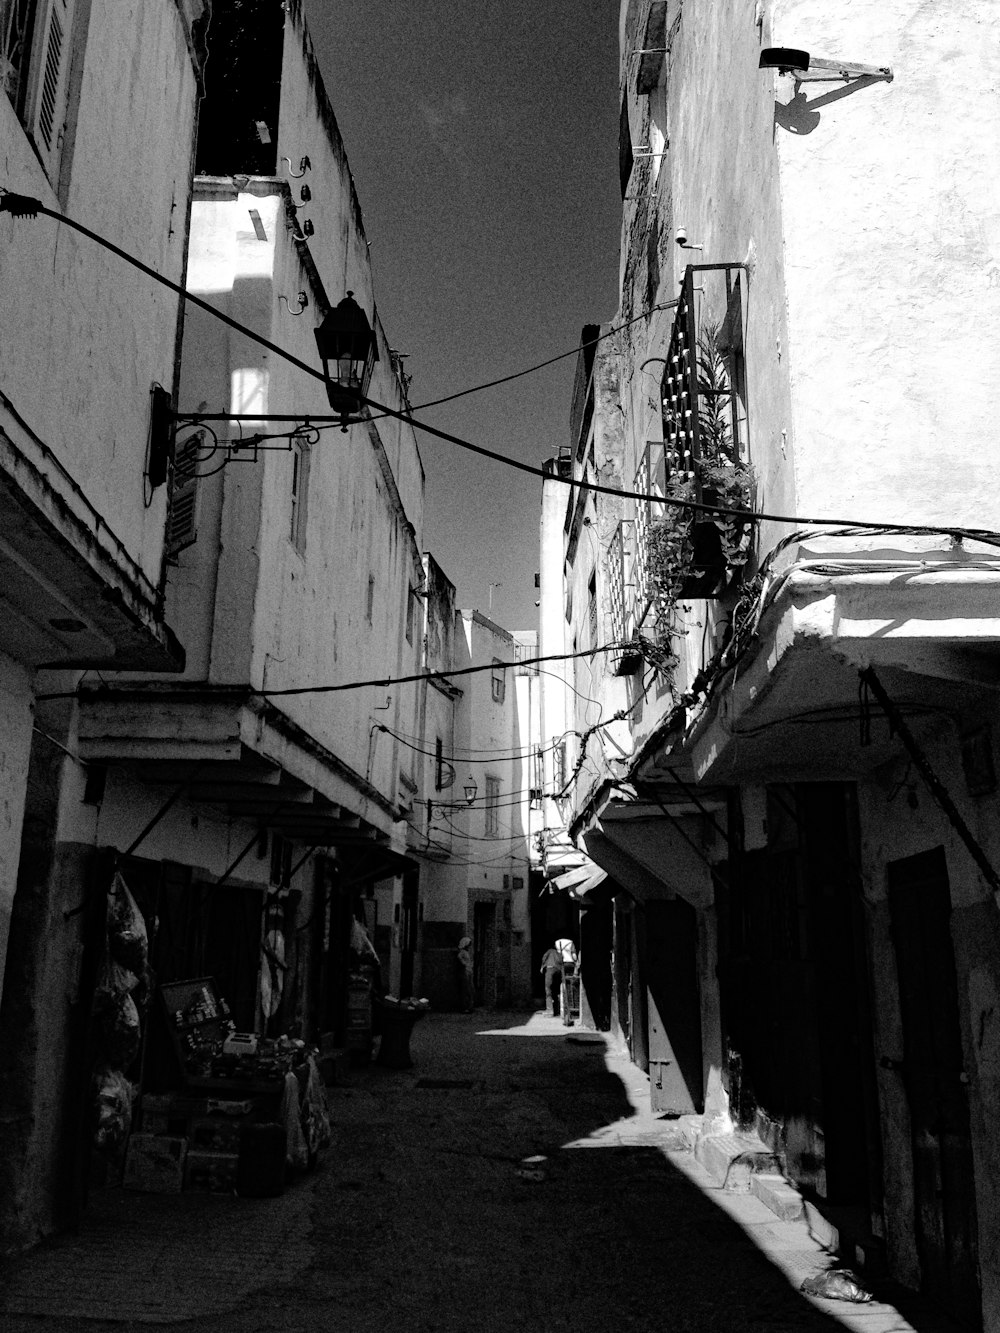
(463, 959)
(552, 969)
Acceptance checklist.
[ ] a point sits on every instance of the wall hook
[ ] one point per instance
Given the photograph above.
(303, 302)
(304, 166)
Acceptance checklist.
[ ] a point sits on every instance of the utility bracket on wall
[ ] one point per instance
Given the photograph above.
(806, 68)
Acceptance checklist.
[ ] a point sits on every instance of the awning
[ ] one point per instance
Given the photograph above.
(581, 881)
(365, 864)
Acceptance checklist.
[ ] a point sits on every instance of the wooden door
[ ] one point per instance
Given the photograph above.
(674, 1006)
(932, 1071)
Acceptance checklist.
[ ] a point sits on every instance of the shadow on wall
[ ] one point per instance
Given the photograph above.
(801, 116)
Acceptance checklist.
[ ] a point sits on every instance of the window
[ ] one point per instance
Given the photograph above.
(281, 861)
(625, 157)
(300, 487)
(182, 520)
(492, 807)
(497, 681)
(35, 50)
(411, 613)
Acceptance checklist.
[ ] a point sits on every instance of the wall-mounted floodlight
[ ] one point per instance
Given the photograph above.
(804, 67)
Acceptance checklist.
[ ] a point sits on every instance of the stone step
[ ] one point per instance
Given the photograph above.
(734, 1159)
(776, 1193)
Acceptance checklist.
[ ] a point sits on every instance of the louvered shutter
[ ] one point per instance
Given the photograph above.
(51, 63)
(181, 529)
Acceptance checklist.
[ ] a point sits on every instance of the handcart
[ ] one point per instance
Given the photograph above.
(569, 998)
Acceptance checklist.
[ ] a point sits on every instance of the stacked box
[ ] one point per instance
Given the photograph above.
(210, 1172)
(155, 1163)
(217, 1134)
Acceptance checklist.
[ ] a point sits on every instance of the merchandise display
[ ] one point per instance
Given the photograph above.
(250, 1114)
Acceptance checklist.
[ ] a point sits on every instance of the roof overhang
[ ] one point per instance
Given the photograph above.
(931, 631)
(70, 593)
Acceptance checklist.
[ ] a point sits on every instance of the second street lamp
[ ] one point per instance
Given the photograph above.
(348, 349)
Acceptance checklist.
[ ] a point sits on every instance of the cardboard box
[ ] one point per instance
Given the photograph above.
(217, 1134)
(169, 1113)
(210, 1172)
(155, 1163)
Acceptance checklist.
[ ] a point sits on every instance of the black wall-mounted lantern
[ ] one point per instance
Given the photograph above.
(348, 349)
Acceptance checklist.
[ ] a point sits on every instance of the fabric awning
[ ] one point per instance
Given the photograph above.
(580, 881)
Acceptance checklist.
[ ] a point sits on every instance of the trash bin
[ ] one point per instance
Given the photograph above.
(398, 1018)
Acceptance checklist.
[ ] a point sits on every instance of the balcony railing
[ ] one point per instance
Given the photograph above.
(702, 379)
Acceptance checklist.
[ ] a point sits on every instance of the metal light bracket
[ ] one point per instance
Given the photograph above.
(806, 68)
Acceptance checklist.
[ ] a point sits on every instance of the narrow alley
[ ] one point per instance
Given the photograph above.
(423, 1216)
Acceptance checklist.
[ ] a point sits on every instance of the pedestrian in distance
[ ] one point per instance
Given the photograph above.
(463, 960)
(552, 970)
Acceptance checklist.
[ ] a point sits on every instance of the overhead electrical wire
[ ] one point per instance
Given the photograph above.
(203, 689)
(25, 206)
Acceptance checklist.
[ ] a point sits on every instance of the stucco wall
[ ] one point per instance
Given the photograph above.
(891, 212)
(81, 318)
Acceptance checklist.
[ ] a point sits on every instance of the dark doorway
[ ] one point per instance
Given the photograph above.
(674, 1000)
(484, 952)
(932, 1072)
(554, 916)
(795, 994)
(596, 939)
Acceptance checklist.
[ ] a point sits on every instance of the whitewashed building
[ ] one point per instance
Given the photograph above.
(85, 338)
(802, 834)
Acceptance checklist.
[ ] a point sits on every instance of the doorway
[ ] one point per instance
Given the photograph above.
(484, 952)
(932, 1072)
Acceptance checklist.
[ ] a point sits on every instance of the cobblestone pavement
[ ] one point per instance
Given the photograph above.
(423, 1218)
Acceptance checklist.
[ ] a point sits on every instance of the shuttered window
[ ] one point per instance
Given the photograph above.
(625, 155)
(181, 524)
(35, 50)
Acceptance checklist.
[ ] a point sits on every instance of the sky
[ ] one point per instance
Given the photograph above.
(483, 140)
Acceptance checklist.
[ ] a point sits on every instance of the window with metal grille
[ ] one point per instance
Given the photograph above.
(592, 610)
(492, 829)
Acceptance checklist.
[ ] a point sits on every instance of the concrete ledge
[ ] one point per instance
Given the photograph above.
(776, 1193)
(734, 1159)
